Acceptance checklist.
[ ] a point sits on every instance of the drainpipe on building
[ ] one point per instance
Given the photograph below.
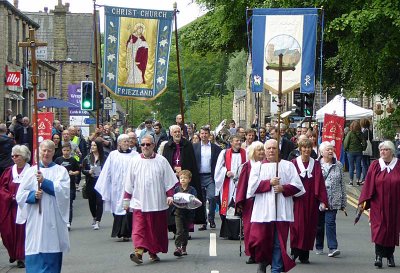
(61, 80)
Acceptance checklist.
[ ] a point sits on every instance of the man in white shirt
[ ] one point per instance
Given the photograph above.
(206, 154)
(149, 187)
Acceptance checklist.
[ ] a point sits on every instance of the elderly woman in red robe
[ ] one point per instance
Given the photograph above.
(304, 228)
(255, 152)
(380, 194)
(12, 234)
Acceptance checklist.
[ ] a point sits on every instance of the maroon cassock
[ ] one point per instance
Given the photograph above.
(150, 229)
(306, 207)
(12, 234)
(381, 192)
(245, 204)
(261, 242)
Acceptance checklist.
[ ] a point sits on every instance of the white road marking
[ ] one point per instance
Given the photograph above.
(214, 271)
(213, 247)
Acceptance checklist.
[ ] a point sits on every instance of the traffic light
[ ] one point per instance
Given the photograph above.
(308, 104)
(87, 95)
(298, 103)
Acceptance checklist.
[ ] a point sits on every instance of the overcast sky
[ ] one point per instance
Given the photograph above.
(188, 11)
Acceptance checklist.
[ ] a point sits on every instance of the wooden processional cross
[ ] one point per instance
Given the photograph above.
(32, 44)
(280, 69)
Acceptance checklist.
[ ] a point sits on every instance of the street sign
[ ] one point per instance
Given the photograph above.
(89, 121)
(107, 103)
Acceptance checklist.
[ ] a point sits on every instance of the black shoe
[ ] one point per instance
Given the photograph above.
(213, 225)
(390, 261)
(305, 261)
(11, 260)
(378, 261)
(251, 260)
(262, 268)
(203, 227)
(294, 257)
(20, 264)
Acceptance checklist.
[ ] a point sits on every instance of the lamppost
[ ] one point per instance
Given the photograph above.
(209, 107)
(219, 85)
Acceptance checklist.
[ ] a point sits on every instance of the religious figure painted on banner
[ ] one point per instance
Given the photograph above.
(137, 53)
(137, 50)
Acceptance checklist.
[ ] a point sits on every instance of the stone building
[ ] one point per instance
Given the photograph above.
(14, 28)
(70, 49)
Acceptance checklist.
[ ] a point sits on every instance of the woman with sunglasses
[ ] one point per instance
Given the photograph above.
(91, 168)
(12, 234)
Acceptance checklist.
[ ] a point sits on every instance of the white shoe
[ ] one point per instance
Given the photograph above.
(334, 252)
(69, 226)
(319, 252)
(93, 222)
(96, 226)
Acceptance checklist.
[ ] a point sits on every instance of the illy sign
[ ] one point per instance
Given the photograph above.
(13, 78)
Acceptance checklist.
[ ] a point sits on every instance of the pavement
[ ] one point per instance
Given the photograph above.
(353, 193)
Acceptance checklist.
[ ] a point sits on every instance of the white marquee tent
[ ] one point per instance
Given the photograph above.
(336, 105)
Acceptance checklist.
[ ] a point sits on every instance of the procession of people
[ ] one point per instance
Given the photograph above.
(247, 180)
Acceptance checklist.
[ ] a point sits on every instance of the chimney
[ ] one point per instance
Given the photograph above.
(46, 9)
(16, 3)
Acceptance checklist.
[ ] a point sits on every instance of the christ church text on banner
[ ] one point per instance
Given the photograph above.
(137, 50)
(291, 32)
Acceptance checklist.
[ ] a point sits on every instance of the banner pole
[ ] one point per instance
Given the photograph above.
(96, 53)
(178, 65)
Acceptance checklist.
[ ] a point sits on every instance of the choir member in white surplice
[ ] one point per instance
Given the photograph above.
(226, 176)
(149, 187)
(272, 209)
(110, 185)
(46, 232)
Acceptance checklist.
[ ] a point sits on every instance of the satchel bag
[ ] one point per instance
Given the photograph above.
(84, 191)
(368, 149)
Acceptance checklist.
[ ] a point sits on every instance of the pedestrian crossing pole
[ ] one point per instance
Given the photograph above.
(32, 44)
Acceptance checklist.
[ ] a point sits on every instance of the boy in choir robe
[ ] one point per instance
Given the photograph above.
(149, 187)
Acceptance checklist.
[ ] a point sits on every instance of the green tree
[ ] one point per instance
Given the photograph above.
(236, 74)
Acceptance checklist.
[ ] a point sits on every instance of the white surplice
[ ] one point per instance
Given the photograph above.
(220, 174)
(264, 203)
(46, 232)
(148, 180)
(110, 183)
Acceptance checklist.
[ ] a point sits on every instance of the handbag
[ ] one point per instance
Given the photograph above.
(368, 149)
(84, 191)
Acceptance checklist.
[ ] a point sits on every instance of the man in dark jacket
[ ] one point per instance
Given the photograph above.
(206, 154)
(180, 155)
(6, 144)
(18, 129)
(158, 135)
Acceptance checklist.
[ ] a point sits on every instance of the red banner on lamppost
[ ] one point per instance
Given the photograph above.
(44, 123)
(333, 131)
